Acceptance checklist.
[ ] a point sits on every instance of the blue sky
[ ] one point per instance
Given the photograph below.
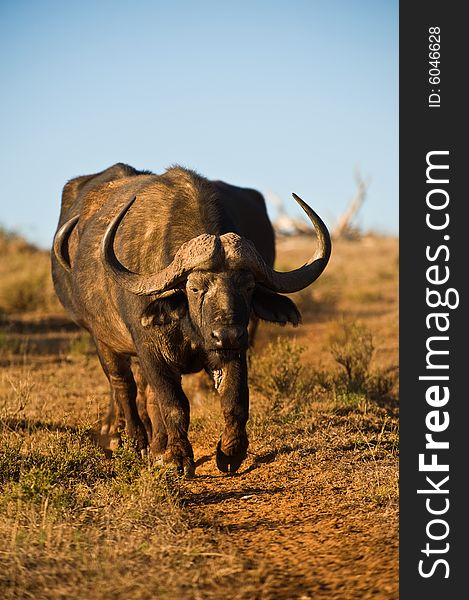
(281, 95)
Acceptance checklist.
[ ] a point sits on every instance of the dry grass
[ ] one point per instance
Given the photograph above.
(76, 525)
(314, 510)
(26, 283)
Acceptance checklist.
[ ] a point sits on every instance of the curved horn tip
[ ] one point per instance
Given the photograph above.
(127, 206)
(60, 243)
(298, 279)
(300, 201)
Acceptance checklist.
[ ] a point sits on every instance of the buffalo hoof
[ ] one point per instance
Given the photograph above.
(112, 427)
(189, 470)
(182, 461)
(114, 442)
(140, 438)
(230, 463)
(112, 424)
(186, 470)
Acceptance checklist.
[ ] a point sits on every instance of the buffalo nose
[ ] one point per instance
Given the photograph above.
(228, 337)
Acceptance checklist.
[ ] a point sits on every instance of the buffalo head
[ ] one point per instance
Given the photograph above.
(217, 281)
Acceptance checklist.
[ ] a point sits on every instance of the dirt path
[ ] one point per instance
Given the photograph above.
(299, 528)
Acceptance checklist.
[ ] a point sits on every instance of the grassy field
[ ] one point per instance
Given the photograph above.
(313, 512)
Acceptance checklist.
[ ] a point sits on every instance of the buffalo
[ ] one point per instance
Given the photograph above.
(169, 274)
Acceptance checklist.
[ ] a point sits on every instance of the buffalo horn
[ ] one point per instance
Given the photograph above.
(201, 252)
(241, 253)
(61, 242)
(204, 253)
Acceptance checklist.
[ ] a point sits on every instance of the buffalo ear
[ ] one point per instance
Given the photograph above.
(275, 308)
(164, 310)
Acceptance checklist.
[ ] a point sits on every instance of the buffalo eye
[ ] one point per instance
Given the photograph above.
(198, 292)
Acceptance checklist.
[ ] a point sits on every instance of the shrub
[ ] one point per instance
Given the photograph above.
(26, 282)
(351, 345)
(71, 471)
(127, 463)
(26, 293)
(10, 461)
(28, 288)
(72, 465)
(279, 375)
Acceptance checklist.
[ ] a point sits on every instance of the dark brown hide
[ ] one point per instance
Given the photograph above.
(196, 319)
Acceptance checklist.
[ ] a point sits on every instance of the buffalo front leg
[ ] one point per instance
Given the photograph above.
(159, 437)
(168, 409)
(123, 391)
(231, 382)
(114, 421)
(142, 392)
(149, 412)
